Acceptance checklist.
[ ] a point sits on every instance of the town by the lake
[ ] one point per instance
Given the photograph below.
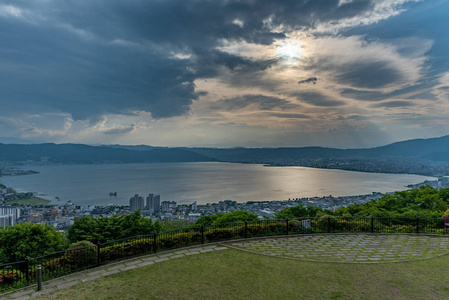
(17, 207)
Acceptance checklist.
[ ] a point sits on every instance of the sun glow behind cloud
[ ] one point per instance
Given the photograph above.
(290, 49)
(222, 72)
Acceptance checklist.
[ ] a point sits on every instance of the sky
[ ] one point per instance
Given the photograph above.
(224, 73)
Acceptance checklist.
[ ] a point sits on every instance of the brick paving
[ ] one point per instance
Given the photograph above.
(348, 248)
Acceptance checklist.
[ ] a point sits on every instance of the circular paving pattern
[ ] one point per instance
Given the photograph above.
(349, 248)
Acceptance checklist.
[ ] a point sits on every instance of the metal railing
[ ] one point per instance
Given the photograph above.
(23, 273)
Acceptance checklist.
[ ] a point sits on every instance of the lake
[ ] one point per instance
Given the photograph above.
(205, 182)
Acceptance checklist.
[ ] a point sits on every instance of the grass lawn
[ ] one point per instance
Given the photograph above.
(232, 274)
(30, 201)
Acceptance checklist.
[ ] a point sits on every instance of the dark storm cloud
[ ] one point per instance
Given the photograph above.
(90, 58)
(88, 78)
(375, 74)
(207, 63)
(309, 80)
(263, 102)
(202, 22)
(394, 104)
(317, 99)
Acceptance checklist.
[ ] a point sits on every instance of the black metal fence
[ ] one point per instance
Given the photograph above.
(19, 274)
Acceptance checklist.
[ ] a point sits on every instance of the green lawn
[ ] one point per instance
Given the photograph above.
(30, 201)
(232, 274)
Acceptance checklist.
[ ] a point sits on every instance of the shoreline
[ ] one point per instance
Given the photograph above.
(349, 170)
(353, 170)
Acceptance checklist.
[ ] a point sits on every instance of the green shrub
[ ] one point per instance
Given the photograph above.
(81, 244)
(81, 254)
(179, 240)
(220, 234)
(266, 229)
(9, 277)
(56, 265)
(126, 249)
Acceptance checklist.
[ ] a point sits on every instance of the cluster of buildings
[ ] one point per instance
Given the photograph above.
(61, 217)
(440, 183)
(330, 202)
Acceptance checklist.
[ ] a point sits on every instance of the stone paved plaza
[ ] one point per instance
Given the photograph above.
(349, 248)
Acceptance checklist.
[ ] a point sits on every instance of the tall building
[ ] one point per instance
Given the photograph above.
(6, 210)
(136, 203)
(6, 220)
(149, 203)
(154, 203)
(157, 203)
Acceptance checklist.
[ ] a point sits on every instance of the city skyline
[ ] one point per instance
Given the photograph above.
(345, 74)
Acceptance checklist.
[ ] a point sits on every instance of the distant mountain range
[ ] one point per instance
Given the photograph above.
(434, 149)
(84, 154)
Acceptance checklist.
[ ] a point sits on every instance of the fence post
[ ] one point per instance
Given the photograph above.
(417, 224)
(202, 233)
(328, 224)
(27, 267)
(372, 224)
(286, 224)
(246, 229)
(39, 277)
(98, 253)
(155, 242)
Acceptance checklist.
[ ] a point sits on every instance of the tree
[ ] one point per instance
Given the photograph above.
(236, 216)
(176, 224)
(106, 229)
(425, 202)
(207, 220)
(33, 240)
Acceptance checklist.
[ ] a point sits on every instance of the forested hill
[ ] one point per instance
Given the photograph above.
(433, 149)
(83, 154)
